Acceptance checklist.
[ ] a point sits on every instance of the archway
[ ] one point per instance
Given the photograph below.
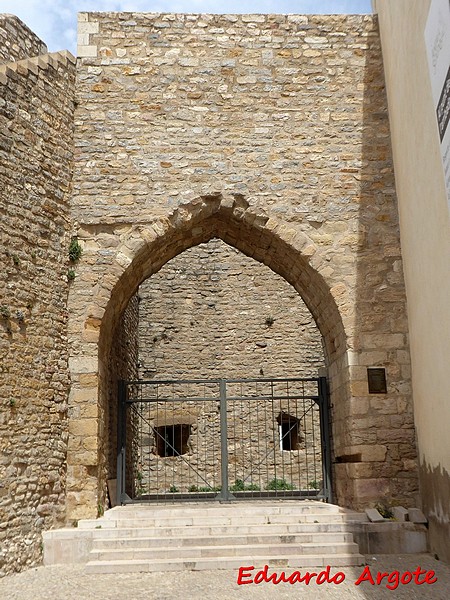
(213, 313)
(142, 252)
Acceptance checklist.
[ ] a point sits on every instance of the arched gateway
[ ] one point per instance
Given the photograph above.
(269, 132)
(142, 251)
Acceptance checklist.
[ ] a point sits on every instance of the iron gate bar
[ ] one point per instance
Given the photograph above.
(239, 380)
(168, 398)
(315, 398)
(121, 442)
(189, 398)
(325, 437)
(223, 495)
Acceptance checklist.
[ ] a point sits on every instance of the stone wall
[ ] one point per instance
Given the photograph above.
(270, 132)
(212, 312)
(123, 365)
(36, 116)
(17, 41)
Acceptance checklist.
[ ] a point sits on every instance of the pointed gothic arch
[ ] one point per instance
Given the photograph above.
(143, 249)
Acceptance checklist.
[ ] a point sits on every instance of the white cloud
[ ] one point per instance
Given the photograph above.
(55, 20)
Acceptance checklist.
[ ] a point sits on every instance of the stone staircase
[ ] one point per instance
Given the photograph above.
(199, 536)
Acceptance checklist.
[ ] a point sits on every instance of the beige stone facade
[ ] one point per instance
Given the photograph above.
(270, 133)
(425, 231)
(267, 132)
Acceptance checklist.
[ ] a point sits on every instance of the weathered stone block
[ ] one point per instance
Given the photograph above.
(83, 427)
(373, 515)
(415, 515)
(87, 51)
(400, 513)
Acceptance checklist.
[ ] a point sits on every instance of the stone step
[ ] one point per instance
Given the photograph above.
(220, 530)
(215, 507)
(211, 551)
(293, 562)
(221, 536)
(225, 540)
(191, 520)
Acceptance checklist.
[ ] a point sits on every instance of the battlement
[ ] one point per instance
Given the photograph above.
(35, 64)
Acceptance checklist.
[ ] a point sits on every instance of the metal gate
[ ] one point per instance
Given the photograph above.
(224, 438)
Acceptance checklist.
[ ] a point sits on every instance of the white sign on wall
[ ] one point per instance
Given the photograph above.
(437, 40)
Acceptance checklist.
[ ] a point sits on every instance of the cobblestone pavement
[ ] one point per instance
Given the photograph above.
(71, 583)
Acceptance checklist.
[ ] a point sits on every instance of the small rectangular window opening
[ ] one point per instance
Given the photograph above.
(172, 440)
(288, 427)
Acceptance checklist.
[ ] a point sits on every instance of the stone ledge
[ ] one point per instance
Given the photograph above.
(389, 537)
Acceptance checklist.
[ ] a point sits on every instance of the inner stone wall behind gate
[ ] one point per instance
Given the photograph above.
(212, 312)
(271, 133)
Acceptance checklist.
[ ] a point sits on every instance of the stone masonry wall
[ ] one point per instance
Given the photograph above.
(212, 312)
(17, 41)
(36, 125)
(123, 365)
(270, 132)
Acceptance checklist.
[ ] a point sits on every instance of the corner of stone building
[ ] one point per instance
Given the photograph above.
(87, 26)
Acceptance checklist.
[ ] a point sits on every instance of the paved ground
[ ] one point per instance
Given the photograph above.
(70, 583)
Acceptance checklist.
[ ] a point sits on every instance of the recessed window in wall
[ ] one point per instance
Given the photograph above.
(289, 430)
(172, 440)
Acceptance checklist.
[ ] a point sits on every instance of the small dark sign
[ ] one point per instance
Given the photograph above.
(377, 380)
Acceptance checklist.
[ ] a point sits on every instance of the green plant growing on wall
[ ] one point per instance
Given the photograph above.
(16, 260)
(205, 488)
(75, 250)
(5, 312)
(173, 489)
(140, 486)
(279, 484)
(240, 486)
(269, 321)
(384, 510)
(12, 403)
(71, 274)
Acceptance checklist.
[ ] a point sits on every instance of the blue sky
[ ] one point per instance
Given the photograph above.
(55, 21)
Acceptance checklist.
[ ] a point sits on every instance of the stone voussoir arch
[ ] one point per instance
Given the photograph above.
(143, 249)
(291, 253)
